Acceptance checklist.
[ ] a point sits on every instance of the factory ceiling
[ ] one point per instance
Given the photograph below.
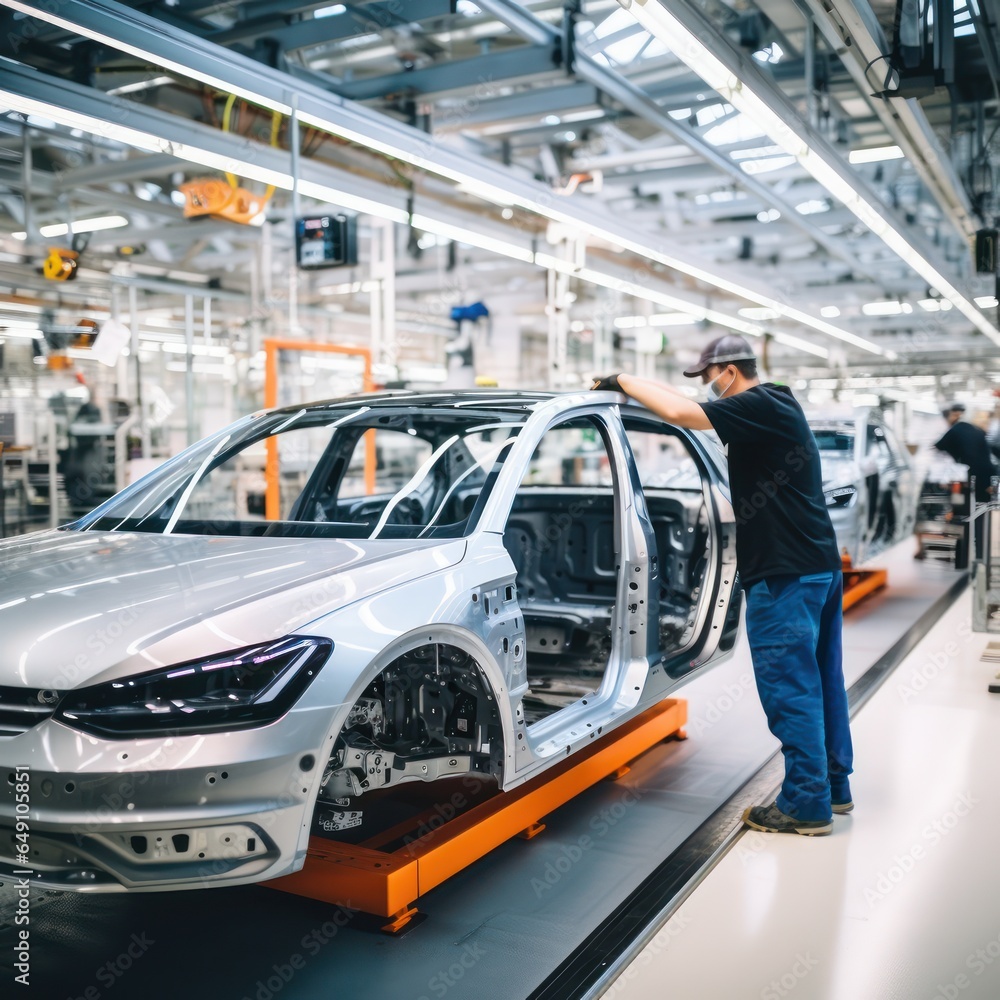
(621, 163)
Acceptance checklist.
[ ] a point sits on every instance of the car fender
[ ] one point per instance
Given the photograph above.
(445, 633)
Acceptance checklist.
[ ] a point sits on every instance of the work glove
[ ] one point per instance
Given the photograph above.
(609, 382)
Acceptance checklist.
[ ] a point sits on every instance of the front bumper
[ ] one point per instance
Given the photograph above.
(166, 813)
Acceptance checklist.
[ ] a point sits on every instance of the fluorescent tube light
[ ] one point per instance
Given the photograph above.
(672, 319)
(85, 226)
(812, 206)
(890, 307)
(759, 314)
(473, 238)
(140, 85)
(876, 154)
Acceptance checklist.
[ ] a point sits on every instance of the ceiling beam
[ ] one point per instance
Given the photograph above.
(134, 168)
(529, 104)
(313, 31)
(483, 71)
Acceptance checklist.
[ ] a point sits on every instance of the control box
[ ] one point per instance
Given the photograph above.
(326, 241)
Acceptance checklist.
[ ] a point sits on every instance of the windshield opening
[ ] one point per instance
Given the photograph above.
(369, 472)
(830, 439)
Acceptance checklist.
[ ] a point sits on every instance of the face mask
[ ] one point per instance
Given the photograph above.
(714, 392)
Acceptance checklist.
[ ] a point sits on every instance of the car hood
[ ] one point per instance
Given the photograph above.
(80, 606)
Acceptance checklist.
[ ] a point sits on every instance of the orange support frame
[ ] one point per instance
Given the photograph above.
(859, 583)
(272, 496)
(387, 883)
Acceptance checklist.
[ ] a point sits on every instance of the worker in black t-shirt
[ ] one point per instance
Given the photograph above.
(968, 446)
(790, 568)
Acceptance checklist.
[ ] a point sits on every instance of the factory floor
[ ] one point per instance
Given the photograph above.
(902, 902)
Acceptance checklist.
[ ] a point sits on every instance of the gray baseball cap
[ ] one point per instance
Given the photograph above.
(721, 351)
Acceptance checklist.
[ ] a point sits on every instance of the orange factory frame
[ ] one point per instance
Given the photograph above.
(859, 583)
(272, 496)
(388, 882)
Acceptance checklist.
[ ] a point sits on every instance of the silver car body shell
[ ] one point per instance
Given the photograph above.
(84, 597)
(892, 478)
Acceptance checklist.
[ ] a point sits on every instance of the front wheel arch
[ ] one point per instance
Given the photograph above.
(413, 652)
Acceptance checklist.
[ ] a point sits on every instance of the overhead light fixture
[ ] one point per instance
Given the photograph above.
(332, 11)
(889, 307)
(95, 225)
(986, 301)
(812, 206)
(733, 81)
(759, 314)
(671, 319)
(830, 312)
(876, 154)
(352, 124)
(139, 86)
(769, 54)
(629, 322)
(472, 238)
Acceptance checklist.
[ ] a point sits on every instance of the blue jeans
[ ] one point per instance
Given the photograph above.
(794, 627)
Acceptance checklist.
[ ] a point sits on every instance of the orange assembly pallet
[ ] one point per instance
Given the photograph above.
(388, 882)
(859, 583)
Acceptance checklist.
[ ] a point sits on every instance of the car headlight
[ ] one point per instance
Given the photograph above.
(842, 497)
(239, 690)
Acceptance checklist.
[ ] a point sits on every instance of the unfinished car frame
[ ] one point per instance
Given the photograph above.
(323, 601)
(870, 484)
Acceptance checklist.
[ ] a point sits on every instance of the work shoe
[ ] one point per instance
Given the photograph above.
(842, 807)
(770, 819)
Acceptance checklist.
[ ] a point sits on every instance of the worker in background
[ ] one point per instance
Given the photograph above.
(967, 445)
(790, 568)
